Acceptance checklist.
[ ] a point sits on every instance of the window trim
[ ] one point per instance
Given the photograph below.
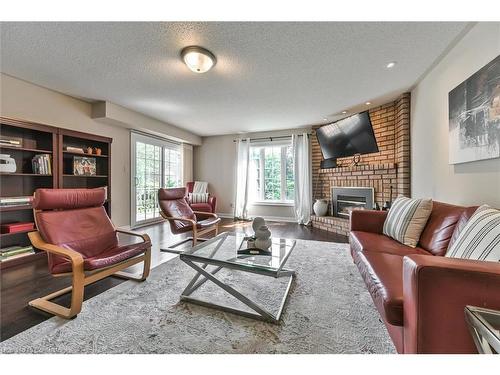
(156, 141)
(268, 202)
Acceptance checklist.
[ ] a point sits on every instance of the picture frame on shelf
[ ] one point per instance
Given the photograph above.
(84, 166)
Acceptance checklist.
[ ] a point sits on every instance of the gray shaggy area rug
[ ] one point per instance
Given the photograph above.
(328, 311)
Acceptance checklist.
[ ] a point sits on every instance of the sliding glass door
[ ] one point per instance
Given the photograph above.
(156, 163)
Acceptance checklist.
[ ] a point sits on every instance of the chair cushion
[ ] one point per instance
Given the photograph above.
(203, 207)
(406, 219)
(107, 258)
(87, 231)
(440, 226)
(480, 239)
(207, 222)
(194, 198)
(383, 276)
(374, 242)
(66, 199)
(173, 203)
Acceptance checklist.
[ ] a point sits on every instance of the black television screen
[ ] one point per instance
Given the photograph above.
(350, 136)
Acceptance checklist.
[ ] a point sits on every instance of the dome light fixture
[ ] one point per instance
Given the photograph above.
(391, 65)
(198, 59)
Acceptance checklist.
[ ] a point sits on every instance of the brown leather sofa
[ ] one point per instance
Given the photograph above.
(419, 293)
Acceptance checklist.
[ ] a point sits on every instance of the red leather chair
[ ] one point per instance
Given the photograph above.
(174, 207)
(202, 207)
(81, 241)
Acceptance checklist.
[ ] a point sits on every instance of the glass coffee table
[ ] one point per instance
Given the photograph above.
(221, 252)
(484, 326)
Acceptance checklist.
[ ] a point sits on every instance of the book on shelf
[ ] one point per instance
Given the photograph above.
(42, 164)
(7, 228)
(12, 252)
(15, 201)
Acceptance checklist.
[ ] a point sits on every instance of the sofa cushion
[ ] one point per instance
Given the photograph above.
(440, 227)
(480, 239)
(383, 276)
(406, 219)
(462, 222)
(373, 242)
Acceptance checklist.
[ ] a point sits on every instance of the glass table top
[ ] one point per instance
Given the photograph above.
(223, 249)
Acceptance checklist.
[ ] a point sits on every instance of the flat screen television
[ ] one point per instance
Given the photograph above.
(347, 137)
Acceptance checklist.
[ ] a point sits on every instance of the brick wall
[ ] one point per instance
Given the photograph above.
(388, 167)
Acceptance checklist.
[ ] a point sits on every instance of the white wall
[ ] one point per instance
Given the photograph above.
(431, 176)
(215, 162)
(26, 101)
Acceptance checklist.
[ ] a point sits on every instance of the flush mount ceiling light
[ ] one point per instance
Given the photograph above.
(368, 103)
(344, 112)
(198, 59)
(391, 65)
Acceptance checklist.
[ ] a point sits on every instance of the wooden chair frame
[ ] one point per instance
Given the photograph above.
(197, 233)
(80, 279)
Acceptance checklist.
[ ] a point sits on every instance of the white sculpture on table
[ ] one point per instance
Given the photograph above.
(262, 234)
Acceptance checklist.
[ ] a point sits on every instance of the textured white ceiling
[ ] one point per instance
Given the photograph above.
(268, 76)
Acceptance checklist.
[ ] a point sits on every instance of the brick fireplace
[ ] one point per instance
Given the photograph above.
(390, 167)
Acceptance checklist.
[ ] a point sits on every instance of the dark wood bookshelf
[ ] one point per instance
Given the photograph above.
(85, 154)
(44, 139)
(4, 235)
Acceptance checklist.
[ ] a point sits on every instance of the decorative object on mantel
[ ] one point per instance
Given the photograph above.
(320, 207)
(474, 116)
(89, 150)
(97, 151)
(7, 164)
(387, 204)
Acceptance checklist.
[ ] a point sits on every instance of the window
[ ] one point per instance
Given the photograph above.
(271, 175)
(155, 164)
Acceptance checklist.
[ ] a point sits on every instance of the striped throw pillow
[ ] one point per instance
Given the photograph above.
(198, 197)
(480, 238)
(406, 220)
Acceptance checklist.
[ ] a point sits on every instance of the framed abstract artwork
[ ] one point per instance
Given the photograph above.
(474, 116)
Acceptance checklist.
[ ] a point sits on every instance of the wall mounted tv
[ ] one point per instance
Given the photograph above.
(347, 137)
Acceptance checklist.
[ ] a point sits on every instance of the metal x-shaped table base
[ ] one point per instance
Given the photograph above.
(260, 312)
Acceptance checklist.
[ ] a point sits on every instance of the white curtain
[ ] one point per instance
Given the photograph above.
(240, 206)
(303, 183)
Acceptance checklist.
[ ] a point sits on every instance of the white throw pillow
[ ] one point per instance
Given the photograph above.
(198, 197)
(407, 219)
(480, 238)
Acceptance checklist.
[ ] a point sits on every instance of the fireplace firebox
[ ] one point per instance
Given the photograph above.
(346, 199)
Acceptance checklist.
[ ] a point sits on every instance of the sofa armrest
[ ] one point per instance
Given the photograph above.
(436, 290)
(367, 220)
(212, 200)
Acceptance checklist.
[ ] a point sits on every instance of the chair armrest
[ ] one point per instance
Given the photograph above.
(212, 201)
(144, 236)
(368, 221)
(75, 257)
(201, 214)
(171, 218)
(436, 290)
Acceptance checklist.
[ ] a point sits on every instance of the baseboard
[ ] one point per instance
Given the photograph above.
(268, 218)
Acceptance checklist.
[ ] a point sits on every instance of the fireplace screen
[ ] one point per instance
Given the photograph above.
(351, 198)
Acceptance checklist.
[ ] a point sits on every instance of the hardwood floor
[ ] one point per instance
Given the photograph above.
(25, 282)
